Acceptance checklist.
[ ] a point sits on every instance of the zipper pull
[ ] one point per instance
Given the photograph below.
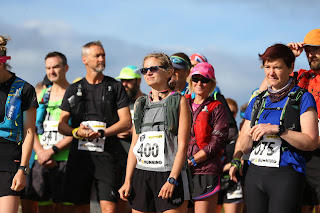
(205, 109)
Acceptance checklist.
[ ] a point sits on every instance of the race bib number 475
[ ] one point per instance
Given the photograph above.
(267, 152)
(149, 149)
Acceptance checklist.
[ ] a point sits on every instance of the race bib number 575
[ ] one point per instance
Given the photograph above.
(267, 152)
(149, 149)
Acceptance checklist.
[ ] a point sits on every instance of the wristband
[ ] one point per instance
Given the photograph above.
(236, 162)
(101, 131)
(191, 158)
(74, 133)
(55, 149)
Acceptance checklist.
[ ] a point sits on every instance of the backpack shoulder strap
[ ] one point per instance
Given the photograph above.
(172, 112)
(139, 108)
(295, 97)
(257, 107)
(42, 109)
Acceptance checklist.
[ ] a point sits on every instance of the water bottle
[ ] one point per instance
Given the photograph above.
(14, 106)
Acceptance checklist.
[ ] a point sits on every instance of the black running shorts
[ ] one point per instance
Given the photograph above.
(146, 186)
(47, 184)
(85, 169)
(276, 190)
(5, 184)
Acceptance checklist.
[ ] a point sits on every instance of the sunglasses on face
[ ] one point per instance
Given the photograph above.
(202, 80)
(152, 69)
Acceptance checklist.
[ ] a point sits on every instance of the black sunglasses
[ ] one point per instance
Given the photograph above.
(152, 69)
(202, 80)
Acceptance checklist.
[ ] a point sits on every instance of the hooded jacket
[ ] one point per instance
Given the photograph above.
(209, 132)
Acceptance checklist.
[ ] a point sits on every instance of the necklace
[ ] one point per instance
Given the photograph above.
(159, 94)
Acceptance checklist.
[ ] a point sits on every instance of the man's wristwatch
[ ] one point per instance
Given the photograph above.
(25, 169)
(172, 181)
(55, 149)
(282, 129)
(101, 131)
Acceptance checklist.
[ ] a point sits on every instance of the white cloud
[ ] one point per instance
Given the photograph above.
(48, 28)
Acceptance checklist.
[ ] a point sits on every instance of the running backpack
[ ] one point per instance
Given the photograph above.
(11, 128)
(290, 115)
(42, 110)
(171, 113)
(78, 108)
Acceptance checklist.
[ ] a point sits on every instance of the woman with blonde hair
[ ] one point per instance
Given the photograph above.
(156, 179)
(209, 135)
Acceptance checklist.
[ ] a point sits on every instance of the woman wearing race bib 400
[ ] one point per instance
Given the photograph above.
(280, 126)
(156, 179)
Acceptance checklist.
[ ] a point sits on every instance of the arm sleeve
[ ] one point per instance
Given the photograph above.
(28, 97)
(219, 136)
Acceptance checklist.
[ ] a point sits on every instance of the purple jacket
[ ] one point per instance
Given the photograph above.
(217, 131)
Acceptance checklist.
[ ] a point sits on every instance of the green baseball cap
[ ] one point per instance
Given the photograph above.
(129, 72)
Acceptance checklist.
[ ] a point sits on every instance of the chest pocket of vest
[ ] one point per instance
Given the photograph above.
(203, 132)
(110, 107)
(78, 109)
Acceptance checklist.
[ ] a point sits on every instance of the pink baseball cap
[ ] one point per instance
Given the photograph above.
(198, 57)
(205, 69)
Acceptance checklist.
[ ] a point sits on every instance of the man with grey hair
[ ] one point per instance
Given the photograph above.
(98, 108)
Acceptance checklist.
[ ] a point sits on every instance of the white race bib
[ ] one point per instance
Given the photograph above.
(234, 194)
(51, 135)
(149, 149)
(96, 145)
(267, 152)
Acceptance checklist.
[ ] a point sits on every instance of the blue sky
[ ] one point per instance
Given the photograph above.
(230, 33)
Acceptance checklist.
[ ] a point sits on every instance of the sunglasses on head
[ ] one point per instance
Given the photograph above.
(152, 69)
(180, 61)
(202, 80)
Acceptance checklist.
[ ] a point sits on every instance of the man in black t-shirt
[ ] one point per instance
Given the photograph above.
(98, 108)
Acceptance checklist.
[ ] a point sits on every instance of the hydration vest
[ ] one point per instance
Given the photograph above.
(290, 115)
(78, 108)
(171, 113)
(12, 129)
(42, 110)
(202, 130)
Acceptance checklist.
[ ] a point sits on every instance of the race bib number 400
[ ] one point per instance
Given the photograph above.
(267, 152)
(96, 145)
(51, 136)
(149, 149)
